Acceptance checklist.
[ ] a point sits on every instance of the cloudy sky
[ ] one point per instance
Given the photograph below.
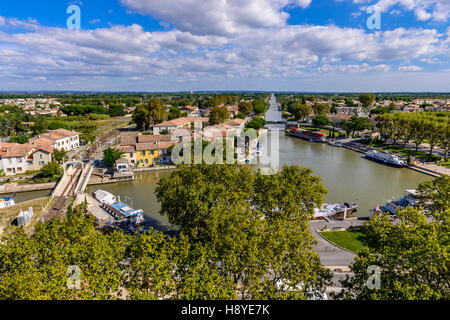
(214, 45)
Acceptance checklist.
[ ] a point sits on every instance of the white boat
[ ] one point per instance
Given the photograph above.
(335, 143)
(335, 210)
(117, 209)
(385, 158)
(6, 202)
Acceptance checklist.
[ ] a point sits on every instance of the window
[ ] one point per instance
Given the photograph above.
(41, 163)
(41, 156)
(143, 153)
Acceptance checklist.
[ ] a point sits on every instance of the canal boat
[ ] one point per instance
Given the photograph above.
(119, 210)
(385, 158)
(308, 135)
(335, 211)
(6, 202)
(335, 143)
(392, 207)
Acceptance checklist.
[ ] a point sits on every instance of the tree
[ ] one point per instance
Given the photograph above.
(435, 196)
(218, 115)
(116, 111)
(50, 172)
(245, 107)
(259, 106)
(154, 112)
(321, 109)
(320, 121)
(410, 256)
(367, 99)
(301, 111)
(110, 156)
(174, 113)
(59, 155)
(256, 123)
(256, 226)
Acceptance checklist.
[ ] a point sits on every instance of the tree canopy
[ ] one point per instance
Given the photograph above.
(256, 225)
(218, 115)
(154, 112)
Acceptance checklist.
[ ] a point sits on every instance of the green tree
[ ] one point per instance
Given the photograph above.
(411, 257)
(218, 115)
(110, 156)
(59, 155)
(321, 121)
(367, 99)
(245, 107)
(50, 172)
(256, 226)
(154, 112)
(301, 111)
(321, 109)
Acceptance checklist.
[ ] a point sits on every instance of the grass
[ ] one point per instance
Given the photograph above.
(405, 151)
(350, 240)
(8, 215)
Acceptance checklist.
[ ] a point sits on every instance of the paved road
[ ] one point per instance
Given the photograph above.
(331, 255)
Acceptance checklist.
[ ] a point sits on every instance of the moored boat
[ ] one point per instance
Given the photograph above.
(385, 158)
(335, 210)
(6, 202)
(117, 209)
(335, 143)
(311, 136)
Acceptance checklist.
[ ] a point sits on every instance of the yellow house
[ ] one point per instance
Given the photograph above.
(146, 154)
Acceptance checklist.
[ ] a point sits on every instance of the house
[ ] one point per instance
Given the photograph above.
(369, 135)
(19, 158)
(60, 139)
(184, 122)
(230, 128)
(145, 150)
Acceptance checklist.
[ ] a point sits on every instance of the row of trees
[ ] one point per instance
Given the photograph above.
(247, 233)
(249, 238)
(77, 110)
(434, 128)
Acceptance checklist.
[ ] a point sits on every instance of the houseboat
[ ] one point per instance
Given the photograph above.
(335, 211)
(409, 199)
(385, 158)
(119, 210)
(311, 136)
(6, 202)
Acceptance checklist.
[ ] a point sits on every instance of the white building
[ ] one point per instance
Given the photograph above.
(61, 139)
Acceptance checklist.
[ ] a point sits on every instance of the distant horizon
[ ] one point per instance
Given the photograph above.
(220, 91)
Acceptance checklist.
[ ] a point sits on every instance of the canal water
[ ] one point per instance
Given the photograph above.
(348, 176)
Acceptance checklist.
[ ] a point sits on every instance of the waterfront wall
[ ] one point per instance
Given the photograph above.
(17, 188)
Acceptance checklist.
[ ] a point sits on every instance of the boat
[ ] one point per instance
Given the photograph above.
(385, 158)
(6, 202)
(311, 136)
(335, 211)
(409, 199)
(335, 143)
(119, 210)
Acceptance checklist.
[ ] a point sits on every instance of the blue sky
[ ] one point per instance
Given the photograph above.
(178, 45)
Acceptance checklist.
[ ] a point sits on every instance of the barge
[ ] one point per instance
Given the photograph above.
(119, 210)
(311, 136)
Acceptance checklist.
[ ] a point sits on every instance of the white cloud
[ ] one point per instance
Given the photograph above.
(120, 52)
(438, 10)
(217, 17)
(410, 68)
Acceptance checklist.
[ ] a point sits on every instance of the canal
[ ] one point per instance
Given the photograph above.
(348, 176)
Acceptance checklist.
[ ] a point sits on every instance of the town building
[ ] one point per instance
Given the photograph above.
(60, 139)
